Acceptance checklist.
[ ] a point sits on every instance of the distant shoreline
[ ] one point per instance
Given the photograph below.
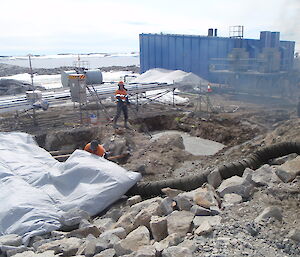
(88, 61)
(71, 55)
(9, 70)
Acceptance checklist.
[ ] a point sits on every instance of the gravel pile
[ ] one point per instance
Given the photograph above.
(253, 215)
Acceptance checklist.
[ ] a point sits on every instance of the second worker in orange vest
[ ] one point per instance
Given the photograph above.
(95, 148)
(122, 102)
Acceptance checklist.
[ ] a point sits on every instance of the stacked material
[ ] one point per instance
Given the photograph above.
(36, 190)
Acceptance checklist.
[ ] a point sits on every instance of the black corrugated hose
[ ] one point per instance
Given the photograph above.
(254, 161)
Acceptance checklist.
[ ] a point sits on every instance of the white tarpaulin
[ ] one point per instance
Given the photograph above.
(35, 189)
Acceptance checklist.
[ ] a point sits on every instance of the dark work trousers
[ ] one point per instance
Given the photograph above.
(121, 106)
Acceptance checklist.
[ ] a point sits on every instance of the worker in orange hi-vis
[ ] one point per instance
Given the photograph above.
(95, 148)
(122, 103)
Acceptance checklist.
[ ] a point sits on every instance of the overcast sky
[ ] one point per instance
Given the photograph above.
(85, 26)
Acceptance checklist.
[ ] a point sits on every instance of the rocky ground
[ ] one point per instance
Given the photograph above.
(8, 70)
(253, 215)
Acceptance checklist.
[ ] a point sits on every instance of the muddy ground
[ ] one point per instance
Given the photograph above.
(242, 123)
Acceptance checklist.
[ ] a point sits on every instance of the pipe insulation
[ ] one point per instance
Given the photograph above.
(253, 161)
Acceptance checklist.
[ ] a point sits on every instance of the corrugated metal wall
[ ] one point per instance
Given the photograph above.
(195, 53)
(187, 53)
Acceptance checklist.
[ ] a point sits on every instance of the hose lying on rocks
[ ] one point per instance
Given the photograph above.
(254, 161)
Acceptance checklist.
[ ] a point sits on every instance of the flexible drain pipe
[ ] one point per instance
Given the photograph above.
(254, 161)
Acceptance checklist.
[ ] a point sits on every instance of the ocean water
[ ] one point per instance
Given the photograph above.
(89, 61)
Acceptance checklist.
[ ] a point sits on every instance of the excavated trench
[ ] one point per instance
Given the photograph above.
(67, 139)
(218, 128)
(156, 122)
(76, 138)
(222, 130)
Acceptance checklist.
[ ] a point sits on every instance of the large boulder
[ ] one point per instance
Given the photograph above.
(214, 178)
(144, 216)
(171, 192)
(126, 221)
(171, 240)
(33, 254)
(136, 208)
(204, 228)
(212, 220)
(177, 251)
(289, 170)
(180, 222)
(190, 244)
(119, 232)
(167, 206)
(204, 196)
(231, 199)
(134, 200)
(158, 226)
(237, 185)
(134, 240)
(139, 214)
(93, 246)
(65, 247)
(200, 211)
(270, 212)
(146, 251)
(264, 176)
(109, 239)
(117, 145)
(11, 240)
(169, 140)
(84, 232)
(12, 250)
(116, 212)
(106, 253)
(183, 203)
(104, 223)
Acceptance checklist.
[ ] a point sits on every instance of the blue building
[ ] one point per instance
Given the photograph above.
(231, 60)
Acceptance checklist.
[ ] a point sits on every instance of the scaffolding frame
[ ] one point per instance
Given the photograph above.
(236, 31)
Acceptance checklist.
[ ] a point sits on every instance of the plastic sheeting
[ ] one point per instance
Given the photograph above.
(36, 189)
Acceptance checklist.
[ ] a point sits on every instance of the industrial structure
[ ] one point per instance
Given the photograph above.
(257, 65)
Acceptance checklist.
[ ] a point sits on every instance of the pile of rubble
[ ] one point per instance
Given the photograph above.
(252, 215)
(12, 87)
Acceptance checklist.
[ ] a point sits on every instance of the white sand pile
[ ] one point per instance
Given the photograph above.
(170, 76)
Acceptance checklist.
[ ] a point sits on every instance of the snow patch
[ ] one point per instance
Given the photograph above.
(170, 76)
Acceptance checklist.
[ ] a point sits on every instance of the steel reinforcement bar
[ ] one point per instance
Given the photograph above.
(254, 161)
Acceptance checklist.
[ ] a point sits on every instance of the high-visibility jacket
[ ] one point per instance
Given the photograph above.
(121, 95)
(100, 151)
(209, 88)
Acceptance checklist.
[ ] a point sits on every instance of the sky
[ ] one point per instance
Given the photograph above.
(109, 26)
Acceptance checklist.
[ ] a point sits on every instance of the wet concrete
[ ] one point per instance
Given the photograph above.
(194, 145)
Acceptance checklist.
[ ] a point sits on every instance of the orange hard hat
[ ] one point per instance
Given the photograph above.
(121, 83)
